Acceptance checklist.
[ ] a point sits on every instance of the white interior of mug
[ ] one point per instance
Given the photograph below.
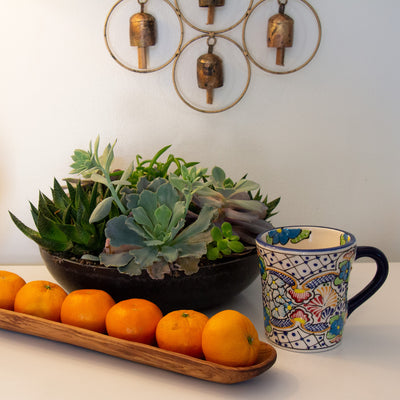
(306, 238)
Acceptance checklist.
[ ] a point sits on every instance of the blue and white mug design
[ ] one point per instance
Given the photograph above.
(305, 274)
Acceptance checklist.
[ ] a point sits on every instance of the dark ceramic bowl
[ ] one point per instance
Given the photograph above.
(212, 285)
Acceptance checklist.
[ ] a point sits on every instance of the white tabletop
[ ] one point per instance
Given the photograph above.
(365, 365)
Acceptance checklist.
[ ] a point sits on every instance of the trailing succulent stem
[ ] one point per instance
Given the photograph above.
(98, 169)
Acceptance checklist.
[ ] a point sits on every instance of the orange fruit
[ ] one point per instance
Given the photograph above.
(230, 338)
(10, 283)
(87, 308)
(181, 331)
(40, 298)
(134, 319)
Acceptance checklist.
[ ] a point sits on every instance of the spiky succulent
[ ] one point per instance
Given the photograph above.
(63, 222)
(156, 234)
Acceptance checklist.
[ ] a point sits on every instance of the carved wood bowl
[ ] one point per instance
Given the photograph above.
(211, 286)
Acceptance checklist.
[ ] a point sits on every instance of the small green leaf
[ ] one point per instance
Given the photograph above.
(222, 244)
(213, 253)
(236, 246)
(226, 228)
(216, 233)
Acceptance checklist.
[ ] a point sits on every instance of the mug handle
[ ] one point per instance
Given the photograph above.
(382, 270)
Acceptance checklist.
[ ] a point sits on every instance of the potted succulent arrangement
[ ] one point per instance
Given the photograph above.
(167, 231)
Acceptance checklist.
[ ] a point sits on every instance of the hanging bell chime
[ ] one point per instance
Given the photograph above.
(209, 71)
(280, 32)
(142, 33)
(211, 4)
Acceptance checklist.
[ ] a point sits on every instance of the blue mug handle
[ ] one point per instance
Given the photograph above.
(382, 271)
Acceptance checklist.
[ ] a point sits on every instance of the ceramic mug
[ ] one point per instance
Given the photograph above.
(305, 275)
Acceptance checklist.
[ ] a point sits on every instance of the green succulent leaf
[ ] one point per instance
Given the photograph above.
(101, 211)
(213, 253)
(131, 268)
(148, 201)
(216, 234)
(48, 244)
(140, 230)
(116, 260)
(167, 195)
(163, 216)
(132, 200)
(145, 256)
(99, 178)
(218, 175)
(200, 225)
(118, 231)
(50, 230)
(236, 246)
(60, 198)
(141, 217)
(226, 229)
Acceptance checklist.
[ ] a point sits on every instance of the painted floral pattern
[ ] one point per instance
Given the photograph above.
(309, 309)
(282, 236)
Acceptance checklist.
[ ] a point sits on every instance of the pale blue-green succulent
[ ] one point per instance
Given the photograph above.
(155, 233)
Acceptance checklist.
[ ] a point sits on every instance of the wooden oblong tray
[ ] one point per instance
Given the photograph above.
(137, 352)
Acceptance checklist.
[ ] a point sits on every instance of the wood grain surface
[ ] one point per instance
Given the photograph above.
(136, 352)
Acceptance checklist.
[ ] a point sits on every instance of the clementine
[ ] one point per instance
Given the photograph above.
(87, 308)
(181, 331)
(10, 283)
(133, 319)
(230, 338)
(40, 298)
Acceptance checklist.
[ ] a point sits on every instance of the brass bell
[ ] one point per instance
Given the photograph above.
(209, 73)
(142, 33)
(280, 33)
(211, 4)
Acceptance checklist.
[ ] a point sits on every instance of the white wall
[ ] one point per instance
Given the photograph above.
(325, 138)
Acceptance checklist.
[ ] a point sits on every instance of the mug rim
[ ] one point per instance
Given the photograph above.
(262, 243)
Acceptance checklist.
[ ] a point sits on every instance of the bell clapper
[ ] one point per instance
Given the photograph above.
(211, 4)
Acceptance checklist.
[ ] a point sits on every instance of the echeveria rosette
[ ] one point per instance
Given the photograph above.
(155, 235)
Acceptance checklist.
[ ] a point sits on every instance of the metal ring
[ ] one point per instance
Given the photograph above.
(147, 69)
(294, 69)
(211, 40)
(202, 109)
(218, 31)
